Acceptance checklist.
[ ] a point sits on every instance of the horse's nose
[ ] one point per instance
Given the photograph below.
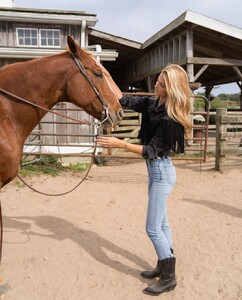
(120, 114)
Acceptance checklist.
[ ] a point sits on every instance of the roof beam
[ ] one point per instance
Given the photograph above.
(199, 73)
(238, 72)
(214, 61)
(219, 81)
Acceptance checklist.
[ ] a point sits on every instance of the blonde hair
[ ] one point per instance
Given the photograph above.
(178, 102)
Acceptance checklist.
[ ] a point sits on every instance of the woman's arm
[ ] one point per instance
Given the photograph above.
(112, 142)
(136, 103)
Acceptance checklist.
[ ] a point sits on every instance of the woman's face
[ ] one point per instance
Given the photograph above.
(160, 87)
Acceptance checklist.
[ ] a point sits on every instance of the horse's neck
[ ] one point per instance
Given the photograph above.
(41, 81)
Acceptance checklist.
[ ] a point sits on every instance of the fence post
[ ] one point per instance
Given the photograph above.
(220, 142)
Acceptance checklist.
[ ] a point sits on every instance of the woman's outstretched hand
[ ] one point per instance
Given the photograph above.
(111, 142)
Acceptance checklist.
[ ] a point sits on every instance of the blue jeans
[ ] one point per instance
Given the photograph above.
(162, 178)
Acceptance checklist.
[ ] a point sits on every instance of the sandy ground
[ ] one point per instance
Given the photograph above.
(91, 244)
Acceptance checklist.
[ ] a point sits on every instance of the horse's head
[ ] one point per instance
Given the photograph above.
(91, 87)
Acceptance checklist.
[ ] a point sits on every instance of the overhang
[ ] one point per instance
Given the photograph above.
(47, 16)
(188, 19)
(216, 46)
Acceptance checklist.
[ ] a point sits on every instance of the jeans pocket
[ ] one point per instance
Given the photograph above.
(170, 173)
(155, 170)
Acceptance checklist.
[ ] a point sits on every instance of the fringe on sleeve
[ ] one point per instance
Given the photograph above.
(172, 134)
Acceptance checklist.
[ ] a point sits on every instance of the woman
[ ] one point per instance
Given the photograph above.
(165, 121)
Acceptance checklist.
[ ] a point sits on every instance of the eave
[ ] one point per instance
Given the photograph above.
(20, 53)
(47, 17)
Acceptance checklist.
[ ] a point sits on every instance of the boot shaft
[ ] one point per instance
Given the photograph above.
(167, 281)
(167, 267)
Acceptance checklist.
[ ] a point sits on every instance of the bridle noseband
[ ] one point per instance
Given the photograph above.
(105, 110)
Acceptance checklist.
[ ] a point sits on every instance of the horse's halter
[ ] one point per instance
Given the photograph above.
(105, 112)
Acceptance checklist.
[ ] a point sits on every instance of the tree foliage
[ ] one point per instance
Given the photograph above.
(231, 97)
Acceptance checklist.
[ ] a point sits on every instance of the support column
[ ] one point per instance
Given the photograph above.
(208, 90)
(240, 86)
(241, 100)
(151, 80)
(220, 140)
(83, 34)
(189, 53)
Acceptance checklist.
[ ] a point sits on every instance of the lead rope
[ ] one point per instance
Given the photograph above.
(84, 122)
(71, 190)
(46, 194)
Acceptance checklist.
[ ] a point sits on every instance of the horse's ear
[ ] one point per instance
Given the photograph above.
(72, 45)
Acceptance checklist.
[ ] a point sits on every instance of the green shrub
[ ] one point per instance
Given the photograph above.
(50, 165)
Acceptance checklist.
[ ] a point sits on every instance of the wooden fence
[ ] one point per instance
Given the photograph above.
(58, 136)
(228, 125)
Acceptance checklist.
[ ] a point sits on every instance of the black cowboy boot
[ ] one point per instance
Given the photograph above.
(153, 273)
(167, 279)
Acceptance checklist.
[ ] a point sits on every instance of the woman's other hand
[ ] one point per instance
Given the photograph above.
(111, 142)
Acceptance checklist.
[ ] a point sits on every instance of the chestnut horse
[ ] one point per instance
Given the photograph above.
(29, 89)
(73, 76)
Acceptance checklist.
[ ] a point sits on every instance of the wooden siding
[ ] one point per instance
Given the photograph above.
(8, 36)
(151, 63)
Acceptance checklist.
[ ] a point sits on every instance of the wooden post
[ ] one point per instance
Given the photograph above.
(241, 100)
(189, 53)
(220, 141)
(208, 90)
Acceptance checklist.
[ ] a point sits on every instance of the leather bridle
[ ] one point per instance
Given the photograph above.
(105, 112)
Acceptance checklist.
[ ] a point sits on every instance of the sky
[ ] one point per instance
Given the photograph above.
(138, 20)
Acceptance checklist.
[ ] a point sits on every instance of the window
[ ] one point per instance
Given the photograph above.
(29, 37)
(49, 38)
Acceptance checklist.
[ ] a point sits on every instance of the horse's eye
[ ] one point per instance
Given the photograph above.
(98, 73)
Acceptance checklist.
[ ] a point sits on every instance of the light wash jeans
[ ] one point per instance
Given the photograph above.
(162, 177)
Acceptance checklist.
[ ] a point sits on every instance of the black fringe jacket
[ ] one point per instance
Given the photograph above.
(159, 135)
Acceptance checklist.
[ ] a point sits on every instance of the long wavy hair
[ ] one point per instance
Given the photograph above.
(179, 94)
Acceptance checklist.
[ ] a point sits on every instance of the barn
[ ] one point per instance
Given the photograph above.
(208, 49)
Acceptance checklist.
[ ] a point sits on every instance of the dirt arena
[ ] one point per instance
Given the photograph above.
(91, 244)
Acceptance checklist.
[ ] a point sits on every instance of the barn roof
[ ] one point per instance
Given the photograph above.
(191, 18)
(128, 50)
(216, 45)
(47, 15)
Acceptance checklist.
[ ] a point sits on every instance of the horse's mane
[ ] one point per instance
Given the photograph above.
(56, 55)
(34, 61)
